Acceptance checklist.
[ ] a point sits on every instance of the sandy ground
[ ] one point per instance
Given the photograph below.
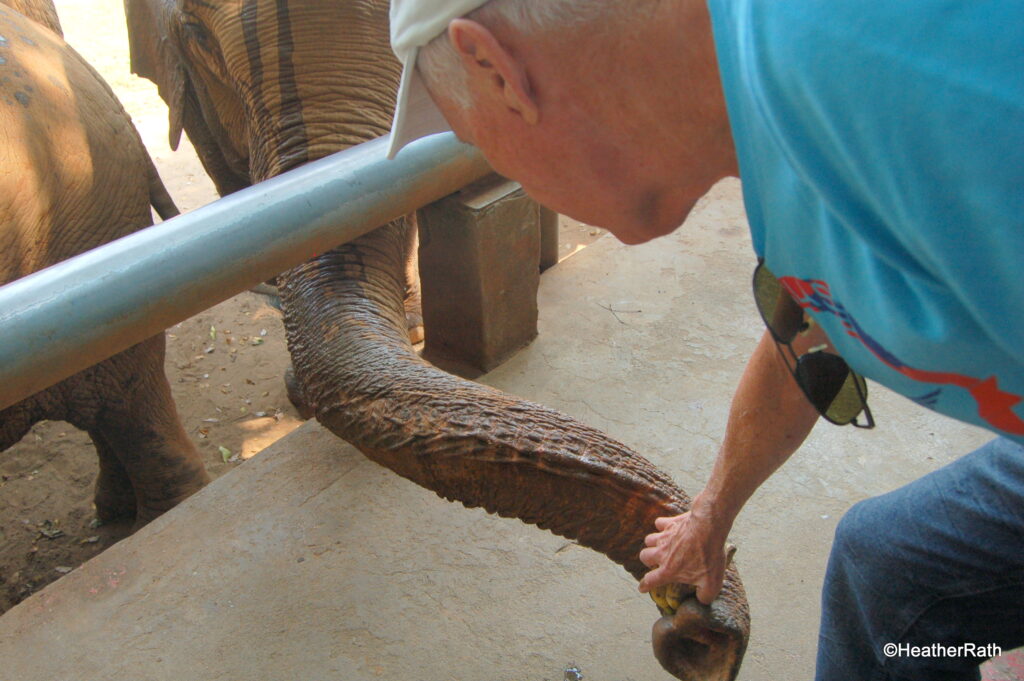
(225, 365)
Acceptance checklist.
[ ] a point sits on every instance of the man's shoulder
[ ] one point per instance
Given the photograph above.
(827, 43)
(881, 150)
(902, 119)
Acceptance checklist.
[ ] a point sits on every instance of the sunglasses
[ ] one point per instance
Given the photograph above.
(836, 391)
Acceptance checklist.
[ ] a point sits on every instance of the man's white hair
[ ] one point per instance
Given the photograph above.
(439, 63)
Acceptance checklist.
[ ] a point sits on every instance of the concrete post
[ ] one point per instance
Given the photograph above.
(479, 255)
(548, 238)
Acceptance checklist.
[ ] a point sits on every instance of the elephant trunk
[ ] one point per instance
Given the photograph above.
(476, 445)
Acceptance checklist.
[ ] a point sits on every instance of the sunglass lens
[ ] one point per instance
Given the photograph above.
(833, 389)
(781, 313)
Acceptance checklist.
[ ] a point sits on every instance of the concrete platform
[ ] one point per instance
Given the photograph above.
(309, 562)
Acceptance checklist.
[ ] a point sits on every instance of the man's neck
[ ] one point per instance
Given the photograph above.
(678, 78)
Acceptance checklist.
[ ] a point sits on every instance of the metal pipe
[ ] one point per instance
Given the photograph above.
(60, 320)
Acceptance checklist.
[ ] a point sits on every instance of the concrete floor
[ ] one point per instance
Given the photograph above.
(309, 562)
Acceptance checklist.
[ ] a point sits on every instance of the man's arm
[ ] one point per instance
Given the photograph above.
(769, 419)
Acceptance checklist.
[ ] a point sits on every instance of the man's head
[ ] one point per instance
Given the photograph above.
(606, 110)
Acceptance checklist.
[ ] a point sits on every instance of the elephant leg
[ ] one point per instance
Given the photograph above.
(413, 300)
(115, 495)
(16, 421)
(138, 435)
(297, 395)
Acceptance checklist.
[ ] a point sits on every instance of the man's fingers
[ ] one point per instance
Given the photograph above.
(652, 539)
(647, 557)
(662, 523)
(651, 580)
(707, 590)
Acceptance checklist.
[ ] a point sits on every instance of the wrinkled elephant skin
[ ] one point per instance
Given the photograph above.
(75, 176)
(261, 86)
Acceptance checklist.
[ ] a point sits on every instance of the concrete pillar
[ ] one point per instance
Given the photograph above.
(548, 238)
(479, 255)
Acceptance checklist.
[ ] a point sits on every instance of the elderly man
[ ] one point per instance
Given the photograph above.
(881, 150)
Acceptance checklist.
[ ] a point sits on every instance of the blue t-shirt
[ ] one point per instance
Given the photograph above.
(881, 150)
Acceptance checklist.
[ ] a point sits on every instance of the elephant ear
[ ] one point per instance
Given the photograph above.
(155, 50)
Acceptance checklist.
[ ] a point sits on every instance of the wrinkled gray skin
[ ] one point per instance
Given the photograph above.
(75, 176)
(262, 86)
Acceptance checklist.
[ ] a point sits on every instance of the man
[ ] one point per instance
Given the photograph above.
(881, 150)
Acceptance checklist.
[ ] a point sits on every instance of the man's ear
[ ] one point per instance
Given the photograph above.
(494, 68)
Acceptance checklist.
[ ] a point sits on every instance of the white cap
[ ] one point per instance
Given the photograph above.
(414, 23)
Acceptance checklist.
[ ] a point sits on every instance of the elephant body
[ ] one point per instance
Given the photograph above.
(76, 176)
(262, 86)
(40, 11)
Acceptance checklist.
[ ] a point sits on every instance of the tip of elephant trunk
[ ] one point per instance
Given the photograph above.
(692, 645)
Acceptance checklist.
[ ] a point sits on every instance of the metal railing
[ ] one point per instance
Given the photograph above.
(60, 320)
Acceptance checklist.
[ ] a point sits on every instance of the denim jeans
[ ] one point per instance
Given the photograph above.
(939, 561)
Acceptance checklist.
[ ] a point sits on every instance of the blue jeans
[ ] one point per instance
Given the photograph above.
(939, 561)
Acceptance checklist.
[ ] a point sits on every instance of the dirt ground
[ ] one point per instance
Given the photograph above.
(225, 365)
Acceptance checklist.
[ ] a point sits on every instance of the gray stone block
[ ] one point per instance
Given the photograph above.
(479, 256)
(548, 238)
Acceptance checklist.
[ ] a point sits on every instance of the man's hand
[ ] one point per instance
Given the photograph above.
(687, 549)
(768, 419)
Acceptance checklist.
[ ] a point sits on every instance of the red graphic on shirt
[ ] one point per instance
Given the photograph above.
(995, 406)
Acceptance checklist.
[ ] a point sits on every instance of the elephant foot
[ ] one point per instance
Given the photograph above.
(696, 643)
(413, 300)
(297, 396)
(157, 499)
(114, 505)
(414, 323)
(147, 515)
(270, 293)
(114, 497)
